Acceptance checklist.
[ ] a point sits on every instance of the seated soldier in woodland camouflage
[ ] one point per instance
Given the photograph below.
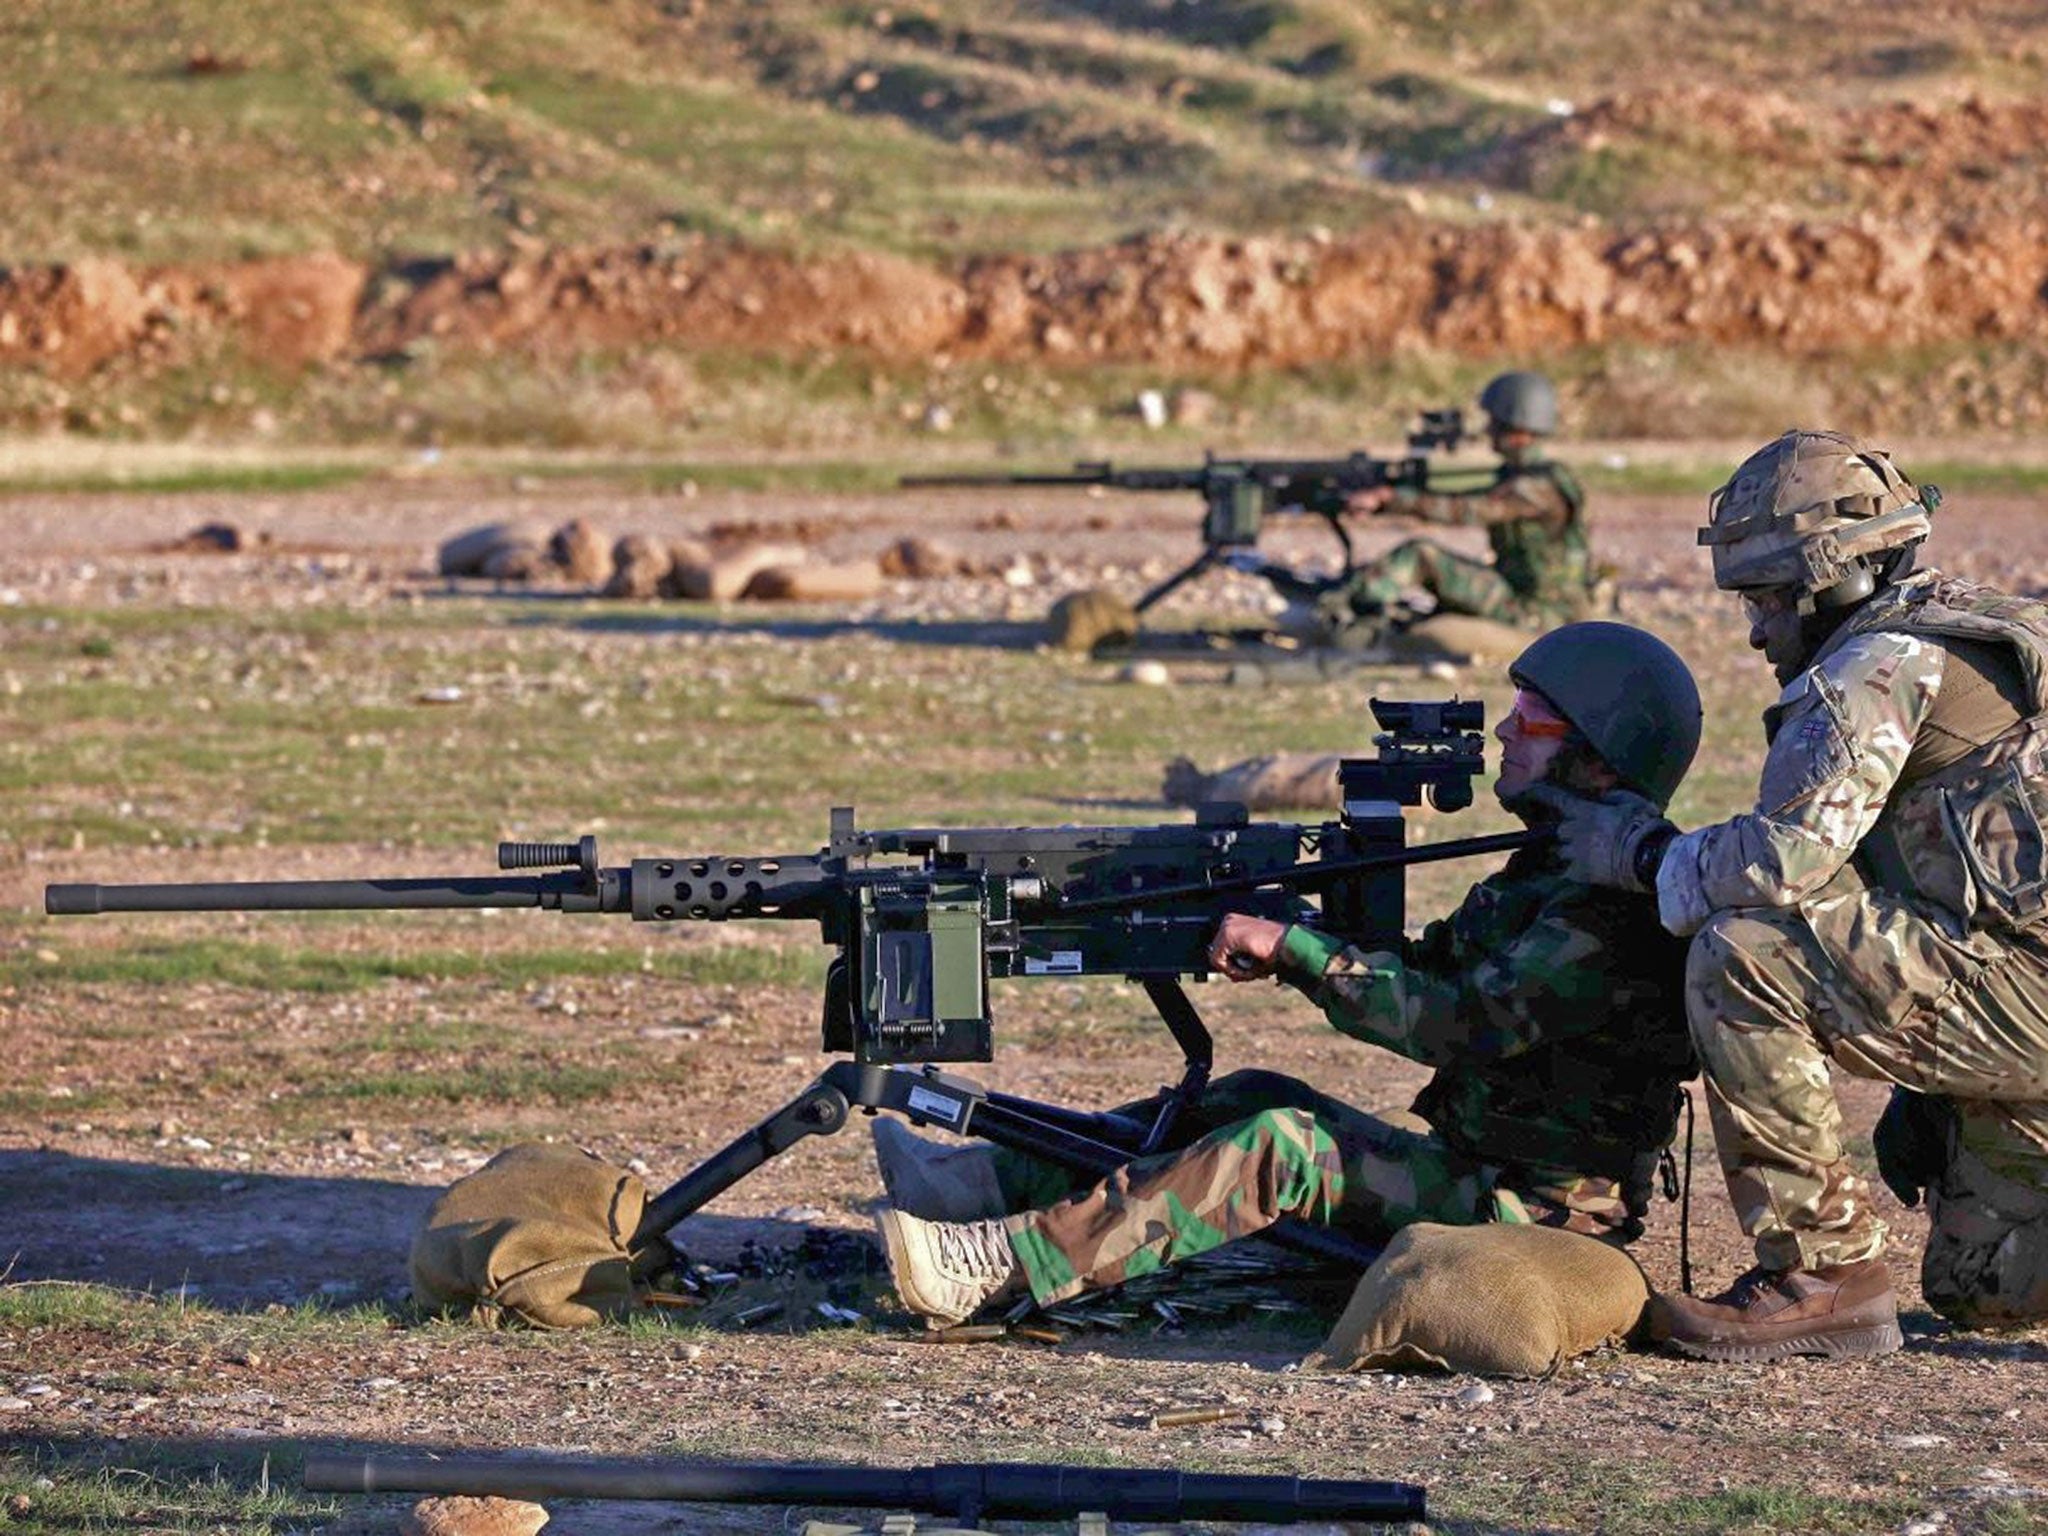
(1552, 1010)
(1533, 511)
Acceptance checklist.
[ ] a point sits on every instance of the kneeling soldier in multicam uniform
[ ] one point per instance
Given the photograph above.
(1533, 511)
(1551, 1009)
(1884, 908)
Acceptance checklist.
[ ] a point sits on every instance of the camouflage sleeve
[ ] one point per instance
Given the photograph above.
(1524, 498)
(1545, 984)
(1841, 734)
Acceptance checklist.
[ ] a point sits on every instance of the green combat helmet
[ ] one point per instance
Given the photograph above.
(1811, 511)
(1628, 693)
(1520, 402)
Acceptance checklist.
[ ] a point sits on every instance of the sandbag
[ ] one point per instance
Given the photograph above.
(1458, 638)
(723, 578)
(851, 582)
(640, 565)
(1080, 621)
(537, 1235)
(583, 554)
(467, 552)
(1492, 1300)
(917, 558)
(1279, 780)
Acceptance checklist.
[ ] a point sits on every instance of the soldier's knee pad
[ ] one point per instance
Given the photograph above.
(1987, 1279)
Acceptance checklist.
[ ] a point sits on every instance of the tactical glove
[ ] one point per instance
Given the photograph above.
(1614, 839)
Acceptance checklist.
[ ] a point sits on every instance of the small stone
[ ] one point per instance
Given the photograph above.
(1272, 1424)
(1478, 1395)
(1146, 674)
(472, 1517)
(14, 1405)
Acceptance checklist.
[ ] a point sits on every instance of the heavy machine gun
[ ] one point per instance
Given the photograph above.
(1238, 495)
(924, 918)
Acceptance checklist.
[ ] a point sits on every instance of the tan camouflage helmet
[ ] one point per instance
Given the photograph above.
(1809, 511)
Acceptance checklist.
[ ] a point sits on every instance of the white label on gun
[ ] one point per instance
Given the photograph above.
(1061, 962)
(935, 1106)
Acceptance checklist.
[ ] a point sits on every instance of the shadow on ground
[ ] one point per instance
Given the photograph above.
(237, 1241)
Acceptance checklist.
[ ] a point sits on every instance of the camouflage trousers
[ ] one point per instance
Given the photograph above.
(1896, 989)
(1286, 1150)
(1458, 583)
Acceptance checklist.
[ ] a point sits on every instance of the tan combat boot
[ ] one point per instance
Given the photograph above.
(936, 1182)
(946, 1271)
(1844, 1311)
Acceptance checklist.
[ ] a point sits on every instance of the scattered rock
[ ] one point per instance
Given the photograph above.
(1146, 674)
(1477, 1395)
(472, 1517)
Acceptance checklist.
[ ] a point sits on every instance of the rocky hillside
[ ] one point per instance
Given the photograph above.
(1199, 186)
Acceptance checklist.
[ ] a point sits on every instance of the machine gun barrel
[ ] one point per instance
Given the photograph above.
(1164, 479)
(562, 891)
(969, 1492)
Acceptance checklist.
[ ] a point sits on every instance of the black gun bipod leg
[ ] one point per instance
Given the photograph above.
(1092, 1143)
(1177, 580)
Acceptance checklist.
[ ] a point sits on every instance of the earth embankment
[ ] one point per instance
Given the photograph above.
(1801, 287)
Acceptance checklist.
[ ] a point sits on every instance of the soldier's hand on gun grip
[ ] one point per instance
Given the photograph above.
(1367, 502)
(1246, 948)
(1605, 840)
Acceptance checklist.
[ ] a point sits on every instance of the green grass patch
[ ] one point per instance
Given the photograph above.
(273, 478)
(269, 967)
(139, 1489)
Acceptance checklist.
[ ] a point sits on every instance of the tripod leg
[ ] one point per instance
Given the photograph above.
(818, 1111)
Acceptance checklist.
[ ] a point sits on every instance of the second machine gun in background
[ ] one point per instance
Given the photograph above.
(924, 918)
(1238, 495)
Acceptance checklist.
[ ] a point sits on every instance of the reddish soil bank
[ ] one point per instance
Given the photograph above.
(1802, 287)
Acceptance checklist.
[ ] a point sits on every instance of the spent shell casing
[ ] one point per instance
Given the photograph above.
(1039, 1335)
(747, 1317)
(968, 1333)
(1180, 1418)
(672, 1299)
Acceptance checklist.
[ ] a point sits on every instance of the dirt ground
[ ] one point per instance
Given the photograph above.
(192, 1185)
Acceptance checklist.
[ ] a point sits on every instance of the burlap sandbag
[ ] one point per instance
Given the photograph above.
(469, 552)
(537, 1235)
(1080, 621)
(1492, 1300)
(849, 582)
(1274, 782)
(1458, 638)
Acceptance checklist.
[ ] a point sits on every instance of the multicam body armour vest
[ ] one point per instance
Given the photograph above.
(1550, 569)
(1963, 825)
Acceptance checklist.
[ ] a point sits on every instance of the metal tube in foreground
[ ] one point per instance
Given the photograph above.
(971, 1491)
